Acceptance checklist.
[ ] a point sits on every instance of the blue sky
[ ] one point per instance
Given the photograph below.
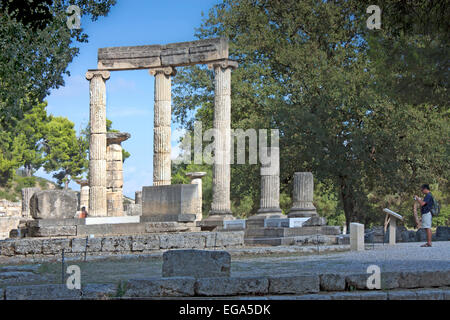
(129, 93)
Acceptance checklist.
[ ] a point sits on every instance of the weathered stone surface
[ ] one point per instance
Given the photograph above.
(116, 244)
(224, 239)
(28, 246)
(133, 209)
(303, 193)
(7, 248)
(53, 231)
(145, 242)
(55, 246)
(98, 291)
(169, 200)
(7, 225)
(53, 204)
(294, 284)
(356, 236)
(315, 221)
(196, 263)
(160, 287)
(232, 286)
(402, 295)
(332, 282)
(174, 54)
(442, 233)
(41, 292)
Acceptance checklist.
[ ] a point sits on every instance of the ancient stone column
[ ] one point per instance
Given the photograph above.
(138, 197)
(270, 189)
(161, 130)
(114, 173)
(221, 206)
(196, 178)
(303, 196)
(27, 193)
(84, 193)
(97, 143)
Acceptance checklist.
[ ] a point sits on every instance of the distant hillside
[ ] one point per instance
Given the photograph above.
(12, 190)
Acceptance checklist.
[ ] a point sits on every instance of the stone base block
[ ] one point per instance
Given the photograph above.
(196, 263)
(215, 221)
(300, 213)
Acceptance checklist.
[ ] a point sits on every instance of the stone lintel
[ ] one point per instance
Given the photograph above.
(173, 54)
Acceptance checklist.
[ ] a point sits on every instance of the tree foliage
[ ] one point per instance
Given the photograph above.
(337, 94)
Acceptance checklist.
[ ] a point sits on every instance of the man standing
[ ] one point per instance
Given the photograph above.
(426, 205)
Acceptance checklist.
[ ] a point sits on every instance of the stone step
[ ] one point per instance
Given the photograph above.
(289, 241)
(290, 232)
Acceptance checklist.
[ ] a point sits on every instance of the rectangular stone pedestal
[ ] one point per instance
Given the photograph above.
(356, 236)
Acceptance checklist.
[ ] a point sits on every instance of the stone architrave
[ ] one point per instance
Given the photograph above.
(303, 196)
(97, 143)
(196, 178)
(114, 173)
(162, 130)
(221, 205)
(84, 193)
(27, 193)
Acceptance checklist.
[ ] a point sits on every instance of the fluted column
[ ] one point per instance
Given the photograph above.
(222, 124)
(270, 189)
(270, 183)
(161, 130)
(196, 178)
(114, 173)
(303, 194)
(97, 143)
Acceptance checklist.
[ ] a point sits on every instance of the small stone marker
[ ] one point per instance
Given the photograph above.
(196, 263)
(356, 236)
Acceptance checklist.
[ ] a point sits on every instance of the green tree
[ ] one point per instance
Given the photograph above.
(37, 47)
(31, 130)
(307, 68)
(65, 153)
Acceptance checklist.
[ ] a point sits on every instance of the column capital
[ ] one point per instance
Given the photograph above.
(224, 64)
(103, 73)
(168, 71)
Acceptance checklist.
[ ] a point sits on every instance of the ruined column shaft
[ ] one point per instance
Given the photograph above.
(97, 143)
(303, 194)
(162, 130)
(270, 183)
(114, 173)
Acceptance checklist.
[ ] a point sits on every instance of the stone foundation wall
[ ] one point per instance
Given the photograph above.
(121, 244)
(395, 286)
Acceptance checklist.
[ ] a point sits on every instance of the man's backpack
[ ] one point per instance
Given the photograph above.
(435, 208)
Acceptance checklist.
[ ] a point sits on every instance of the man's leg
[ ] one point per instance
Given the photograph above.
(429, 234)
